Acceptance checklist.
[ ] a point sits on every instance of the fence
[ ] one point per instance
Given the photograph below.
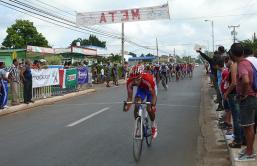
(69, 80)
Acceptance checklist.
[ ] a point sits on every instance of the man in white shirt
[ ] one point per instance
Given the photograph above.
(102, 75)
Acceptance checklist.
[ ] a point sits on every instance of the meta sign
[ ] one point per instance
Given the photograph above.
(119, 16)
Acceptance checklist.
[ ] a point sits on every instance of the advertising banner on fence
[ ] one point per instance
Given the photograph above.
(82, 75)
(70, 76)
(125, 15)
(44, 77)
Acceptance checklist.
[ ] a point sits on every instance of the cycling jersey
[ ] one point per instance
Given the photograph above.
(163, 69)
(147, 82)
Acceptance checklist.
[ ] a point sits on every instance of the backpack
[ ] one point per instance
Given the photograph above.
(254, 78)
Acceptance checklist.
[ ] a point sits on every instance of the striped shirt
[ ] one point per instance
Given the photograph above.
(15, 72)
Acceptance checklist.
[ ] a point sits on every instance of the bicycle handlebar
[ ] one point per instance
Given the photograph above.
(130, 102)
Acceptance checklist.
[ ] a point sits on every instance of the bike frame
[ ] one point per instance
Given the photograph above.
(142, 114)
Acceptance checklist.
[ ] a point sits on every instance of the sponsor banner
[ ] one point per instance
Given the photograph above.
(70, 78)
(43, 50)
(45, 77)
(61, 76)
(82, 75)
(85, 51)
(126, 15)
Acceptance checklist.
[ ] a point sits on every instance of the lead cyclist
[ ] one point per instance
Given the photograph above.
(146, 89)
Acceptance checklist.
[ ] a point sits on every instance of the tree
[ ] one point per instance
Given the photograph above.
(252, 44)
(149, 55)
(91, 41)
(132, 54)
(24, 33)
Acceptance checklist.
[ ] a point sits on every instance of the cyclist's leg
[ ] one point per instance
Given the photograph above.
(166, 78)
(151, 112)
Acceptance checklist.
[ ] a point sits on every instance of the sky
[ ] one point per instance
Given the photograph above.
(185, 28)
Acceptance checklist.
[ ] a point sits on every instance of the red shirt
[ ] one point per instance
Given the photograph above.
(147, 82)
(224, 81)
(245, 68)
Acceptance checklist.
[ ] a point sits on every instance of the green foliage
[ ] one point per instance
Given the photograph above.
(54, 60)
(115, 58)
(250, 44)
(133, 54)
(23, 33)
(149, 55)
(91, 41)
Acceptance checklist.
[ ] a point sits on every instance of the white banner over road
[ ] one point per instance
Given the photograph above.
(44, 77)
(126, 15)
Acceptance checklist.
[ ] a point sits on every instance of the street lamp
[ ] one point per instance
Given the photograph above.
(212, 33)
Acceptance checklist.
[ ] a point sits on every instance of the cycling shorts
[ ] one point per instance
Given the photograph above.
(144, 94)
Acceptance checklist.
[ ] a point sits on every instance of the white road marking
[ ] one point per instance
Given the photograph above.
(87, 117)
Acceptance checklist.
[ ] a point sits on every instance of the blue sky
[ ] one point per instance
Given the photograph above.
(179, 33)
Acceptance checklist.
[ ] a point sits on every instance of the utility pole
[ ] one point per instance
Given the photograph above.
(122, 42)
(157, 49)
(234, 33)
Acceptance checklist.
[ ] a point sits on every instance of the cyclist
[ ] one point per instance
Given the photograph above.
(164, 70)
(178, 71)
(146, 89)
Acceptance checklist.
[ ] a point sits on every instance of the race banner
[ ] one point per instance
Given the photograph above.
(70, 76)
(44, 77)
(82, 75)
(126, 15)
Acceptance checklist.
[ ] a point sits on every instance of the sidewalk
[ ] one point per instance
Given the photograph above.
(51, 100)
(211, 146)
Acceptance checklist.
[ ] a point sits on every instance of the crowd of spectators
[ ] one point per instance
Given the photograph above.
(234, 77)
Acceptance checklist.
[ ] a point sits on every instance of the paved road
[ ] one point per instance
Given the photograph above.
(53, 135)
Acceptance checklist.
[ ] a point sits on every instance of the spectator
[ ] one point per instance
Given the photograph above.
(115, 75)
(230, 95)
(3, 86)
(214, 78)
(223, 88)
(15, 81)
(36, 64)
(27, 83)
(108, 75)
(102, 74)
(247, 99)
(249, 56)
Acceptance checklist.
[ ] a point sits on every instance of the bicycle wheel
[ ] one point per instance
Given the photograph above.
(148, 132)
(138, 139)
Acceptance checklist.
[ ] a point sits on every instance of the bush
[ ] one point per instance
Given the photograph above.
(54, 60)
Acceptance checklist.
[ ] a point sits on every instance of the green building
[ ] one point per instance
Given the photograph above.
(7, 55)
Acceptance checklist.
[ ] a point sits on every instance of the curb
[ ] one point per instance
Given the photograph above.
(234, 152)
(41, 102)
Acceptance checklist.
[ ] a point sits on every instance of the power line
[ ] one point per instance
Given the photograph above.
(53, 19)
(61, 20)
(57, 17)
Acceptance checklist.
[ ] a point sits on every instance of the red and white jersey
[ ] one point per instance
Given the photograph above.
(147, 82)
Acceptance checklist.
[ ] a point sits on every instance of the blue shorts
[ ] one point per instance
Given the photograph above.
(142, 94)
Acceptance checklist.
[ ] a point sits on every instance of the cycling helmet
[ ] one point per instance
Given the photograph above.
(136, 71)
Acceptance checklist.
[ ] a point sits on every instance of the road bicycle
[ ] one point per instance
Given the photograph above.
(142, 128)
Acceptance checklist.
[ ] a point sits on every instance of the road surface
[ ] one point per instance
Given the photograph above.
(92, 130)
